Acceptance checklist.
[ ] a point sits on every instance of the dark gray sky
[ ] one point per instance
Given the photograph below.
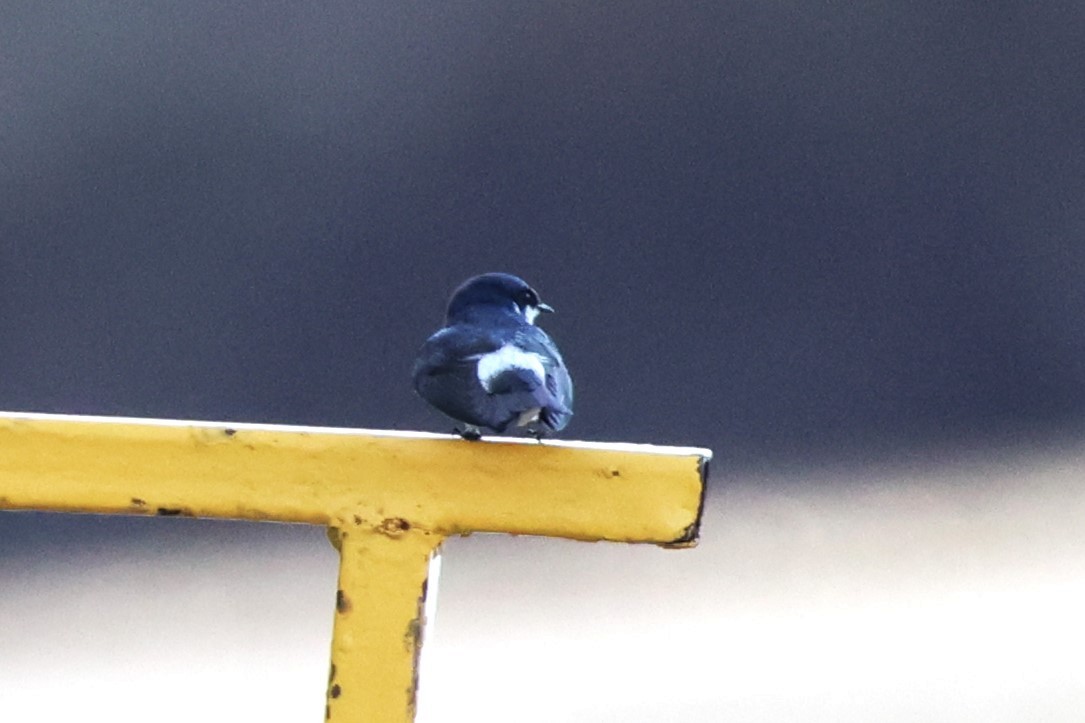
(777, 229)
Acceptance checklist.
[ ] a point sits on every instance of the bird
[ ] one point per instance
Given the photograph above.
(491, 366)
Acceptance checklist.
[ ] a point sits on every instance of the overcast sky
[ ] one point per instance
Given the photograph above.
(776, 229)
(798, 233)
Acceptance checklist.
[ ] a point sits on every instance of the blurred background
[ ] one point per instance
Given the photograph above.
(839, 244)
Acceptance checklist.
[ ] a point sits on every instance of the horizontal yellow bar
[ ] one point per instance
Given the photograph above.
(439, 483)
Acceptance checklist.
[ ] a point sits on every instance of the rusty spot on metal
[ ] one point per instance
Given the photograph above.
(413, 634)
(689, 536)
(615, 472)
(342, 602)
(327, 712)
(173, 512)
(393, 526)
(331, 673)
(335, 691)
(358, 519)
(229, 432)
(139, 502)
(413, 640)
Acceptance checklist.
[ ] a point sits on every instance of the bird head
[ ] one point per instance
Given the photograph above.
(496, 293)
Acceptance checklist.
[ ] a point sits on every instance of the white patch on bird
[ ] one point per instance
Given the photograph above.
(531, 313)
(508, 357)
(528, 417)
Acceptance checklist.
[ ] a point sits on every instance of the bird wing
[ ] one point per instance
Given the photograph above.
(447, 376)
(452, 349)
(559, 385)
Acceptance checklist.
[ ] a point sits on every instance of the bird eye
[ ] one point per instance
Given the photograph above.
(527, 298)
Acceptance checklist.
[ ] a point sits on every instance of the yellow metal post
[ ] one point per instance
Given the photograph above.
(389, 499)
(379, 621)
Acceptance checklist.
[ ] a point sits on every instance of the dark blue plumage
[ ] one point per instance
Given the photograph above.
(490, 366)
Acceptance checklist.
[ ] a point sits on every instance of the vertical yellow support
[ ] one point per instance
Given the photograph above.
(388, 498)
(379, 619)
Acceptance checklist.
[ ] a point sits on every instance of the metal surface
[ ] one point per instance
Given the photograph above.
(388, 499)
(379, 621)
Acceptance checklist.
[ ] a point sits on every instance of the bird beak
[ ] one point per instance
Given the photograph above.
(545, 307)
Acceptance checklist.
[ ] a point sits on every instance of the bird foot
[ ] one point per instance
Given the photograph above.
(471, 434)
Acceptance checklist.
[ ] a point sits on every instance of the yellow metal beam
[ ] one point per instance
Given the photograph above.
(378, 624)
(388, 498)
